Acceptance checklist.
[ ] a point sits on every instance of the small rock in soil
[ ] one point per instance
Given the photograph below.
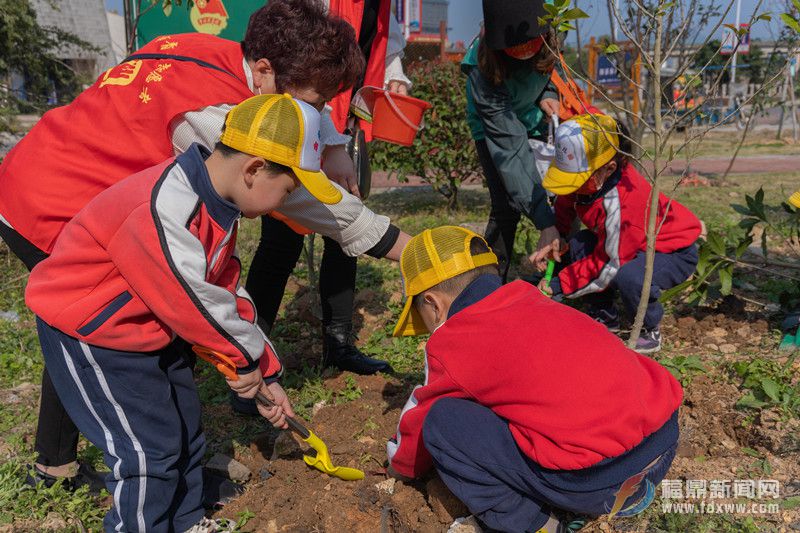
(727, 348)
(285, 445)
(9, 316)
(264, 474)
(54, 522)
(444, 504)
(466, 524)
(317, 407)
(229, 467)
(272, 526)
(718, 333)
(713, 347)
(387, 485)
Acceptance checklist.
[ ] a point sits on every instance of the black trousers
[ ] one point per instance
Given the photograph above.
(56, 435)
(503, 218)
(277, 254)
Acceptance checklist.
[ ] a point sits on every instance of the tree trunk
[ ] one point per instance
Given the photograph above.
(652, 217)
(452, 200)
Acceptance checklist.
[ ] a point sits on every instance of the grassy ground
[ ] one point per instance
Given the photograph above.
(25, 509)
(723, 143)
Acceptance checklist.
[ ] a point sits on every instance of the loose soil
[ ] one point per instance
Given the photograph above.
(295, 498)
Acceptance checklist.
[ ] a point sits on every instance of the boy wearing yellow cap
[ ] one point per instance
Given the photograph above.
(151, 261)
(528, 405)
(596, 184)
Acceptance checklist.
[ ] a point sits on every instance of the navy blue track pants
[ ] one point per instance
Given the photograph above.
(143, 411)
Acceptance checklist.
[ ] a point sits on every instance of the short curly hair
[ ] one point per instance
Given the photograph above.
(305, 46)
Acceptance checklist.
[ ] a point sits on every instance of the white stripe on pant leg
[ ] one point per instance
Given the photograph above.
(127, 427)
(109, 439)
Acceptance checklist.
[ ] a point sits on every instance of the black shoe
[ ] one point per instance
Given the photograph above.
(218, 490)
(338, 350)
(243, 406)
(86, 476)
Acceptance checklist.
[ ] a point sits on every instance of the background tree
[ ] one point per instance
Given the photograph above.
(32, 52)
(660, 33)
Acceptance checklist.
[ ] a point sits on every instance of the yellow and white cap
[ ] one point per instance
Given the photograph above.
(583, 144)
(430, 258)
(283, 130)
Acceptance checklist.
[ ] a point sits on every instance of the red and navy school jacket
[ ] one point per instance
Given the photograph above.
(618, 214)
(117, 127)
(150, 259)
(573, 395)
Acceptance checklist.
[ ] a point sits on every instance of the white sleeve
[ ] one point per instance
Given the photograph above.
(328, 133)
(203, 126)
(394, 55)
(350, 222)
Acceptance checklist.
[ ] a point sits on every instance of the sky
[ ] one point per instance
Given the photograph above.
(465, 17)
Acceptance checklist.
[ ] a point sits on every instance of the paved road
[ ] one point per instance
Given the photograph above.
(705, 166)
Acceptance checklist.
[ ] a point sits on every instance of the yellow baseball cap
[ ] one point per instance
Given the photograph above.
(430, 258)
(794, 199)
(283, 130)
(583, 144)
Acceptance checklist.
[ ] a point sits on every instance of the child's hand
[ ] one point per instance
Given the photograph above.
(544, 286)
(549, 247)
(339, 168)
(276, 415)
(247, 384)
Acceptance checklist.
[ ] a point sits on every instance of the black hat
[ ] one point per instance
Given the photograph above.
(508, 23)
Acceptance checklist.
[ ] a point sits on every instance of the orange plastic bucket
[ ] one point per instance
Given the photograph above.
(397, 118)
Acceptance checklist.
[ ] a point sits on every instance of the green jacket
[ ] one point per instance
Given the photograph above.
(505, 117)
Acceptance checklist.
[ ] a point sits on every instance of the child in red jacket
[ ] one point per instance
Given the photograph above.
(528, 405)
(596, 184)
(148, 264)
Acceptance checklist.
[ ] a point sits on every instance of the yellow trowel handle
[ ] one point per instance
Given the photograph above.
(294, 425)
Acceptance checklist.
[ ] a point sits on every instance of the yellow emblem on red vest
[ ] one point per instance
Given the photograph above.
(122, 74)
(209, 16)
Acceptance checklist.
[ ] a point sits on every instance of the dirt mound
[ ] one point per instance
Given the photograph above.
(295, 498)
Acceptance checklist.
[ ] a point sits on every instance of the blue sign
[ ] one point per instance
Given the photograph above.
(607, 71)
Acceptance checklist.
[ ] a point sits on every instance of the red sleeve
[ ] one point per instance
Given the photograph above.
(407, 453)
(165, 264)
(565, 213)
(594, 272)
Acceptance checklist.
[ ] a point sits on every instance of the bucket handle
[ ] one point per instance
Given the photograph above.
(400, 114)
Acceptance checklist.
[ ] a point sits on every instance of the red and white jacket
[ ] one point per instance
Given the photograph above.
(572, 393)
(618, 216)
(150, 259)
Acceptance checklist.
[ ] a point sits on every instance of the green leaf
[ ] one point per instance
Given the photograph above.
(764, 16)
(726, 280)
(612, 49)
(716, 243)
(750, 401)
(790, 22)
(551, 10)
(796, 4)
(743, 246)
(671, 293)
(575, 13)
(771, 389)
(750, 451)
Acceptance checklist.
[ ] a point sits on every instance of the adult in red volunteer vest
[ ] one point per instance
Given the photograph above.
(382, 43)
(175, 91)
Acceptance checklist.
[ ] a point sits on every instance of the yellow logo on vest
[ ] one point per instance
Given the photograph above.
(209, 16)
(122, 74)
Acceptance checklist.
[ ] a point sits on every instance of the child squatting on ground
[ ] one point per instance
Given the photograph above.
(596, 185)
(151, 261)
(528, 406)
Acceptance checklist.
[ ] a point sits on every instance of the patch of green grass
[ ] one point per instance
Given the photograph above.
(769, 384)
(21, 502)
(683, 367)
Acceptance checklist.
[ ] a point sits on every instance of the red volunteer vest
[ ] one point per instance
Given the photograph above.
(115, 128)
(352, 11)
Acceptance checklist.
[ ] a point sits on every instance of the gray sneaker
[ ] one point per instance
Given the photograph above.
(208, 525)
(649, 341)
(609, 317)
